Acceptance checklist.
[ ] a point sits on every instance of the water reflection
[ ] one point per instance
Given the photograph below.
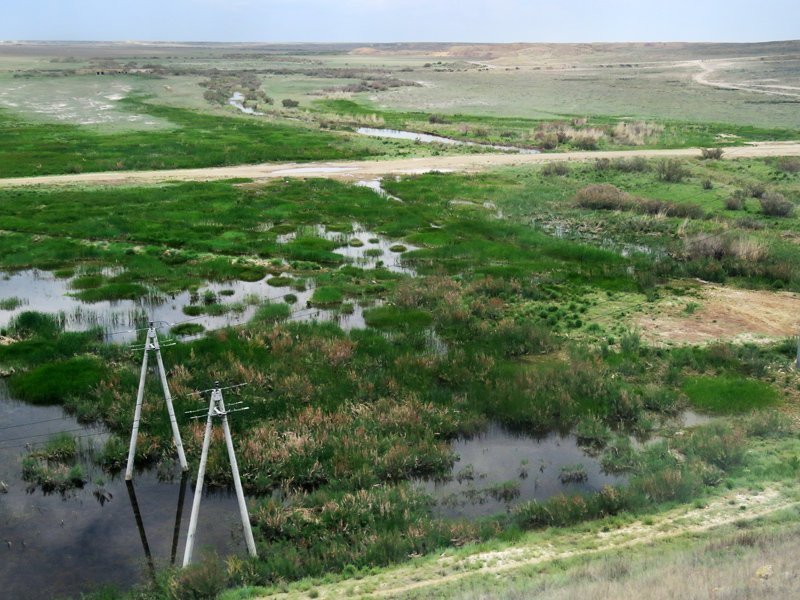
(499, 469)
(79, 541)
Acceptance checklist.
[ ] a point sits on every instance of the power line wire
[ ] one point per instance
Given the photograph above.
(32, 423)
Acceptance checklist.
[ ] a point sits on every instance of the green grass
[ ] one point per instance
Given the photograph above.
(196, 140)
(726, 394)
(55, 382)
(11, 303)
(390, 317)
(494, 327)
(327, 296)
(270, 313)
(187, 329)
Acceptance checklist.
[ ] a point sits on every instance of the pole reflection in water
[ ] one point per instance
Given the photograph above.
(176, 531)
(178, 515)
(140, 526)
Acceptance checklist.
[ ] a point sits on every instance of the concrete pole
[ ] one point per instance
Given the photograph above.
(198, 490)
(176, 433)
(137, 415)
(237, 483)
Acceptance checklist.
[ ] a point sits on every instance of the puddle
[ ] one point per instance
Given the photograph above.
(376, 186)
(689, 418)
(238, 100)
(497, 457)
(371, 250)
(42, 291)
(79, 542)
(427, 138)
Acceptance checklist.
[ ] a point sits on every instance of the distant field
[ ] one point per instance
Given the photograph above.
(655, 81)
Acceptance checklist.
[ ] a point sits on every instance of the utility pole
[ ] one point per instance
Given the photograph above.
(216, 409)
(151, 345)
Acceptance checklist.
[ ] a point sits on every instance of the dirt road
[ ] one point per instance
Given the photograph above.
(375, 169)
(708, 68)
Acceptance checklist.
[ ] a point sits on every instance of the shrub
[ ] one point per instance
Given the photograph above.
(755, 190)
(555, 168)
(768, 423)
(671, 170)
(736, 201)
(711, 153)
(586, 141)
(434, 119)
(775, 204)
(718, 247)
(708, 184)
(635, 133)
(207, 579)
(719, 445)
(547, 141)
(602, 164)
(631, 165)
(788, 164)
(602, 196)
(289, 103)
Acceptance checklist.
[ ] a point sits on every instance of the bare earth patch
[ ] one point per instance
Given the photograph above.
(723, 314)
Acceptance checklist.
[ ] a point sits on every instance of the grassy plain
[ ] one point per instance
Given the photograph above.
(510, 299)
(512, 279)
(166, 106)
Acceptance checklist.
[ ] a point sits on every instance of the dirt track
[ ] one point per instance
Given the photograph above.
(374, 169)
(448, 569)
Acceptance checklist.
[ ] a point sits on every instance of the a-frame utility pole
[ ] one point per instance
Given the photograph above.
(216, 408)
(151, 345)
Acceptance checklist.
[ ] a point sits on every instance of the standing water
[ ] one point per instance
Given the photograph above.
(91, 537)
(427, 138)
(499, 469)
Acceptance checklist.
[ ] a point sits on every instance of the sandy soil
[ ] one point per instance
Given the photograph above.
(723, 314)
(365, 170)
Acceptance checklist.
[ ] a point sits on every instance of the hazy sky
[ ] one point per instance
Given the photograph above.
(401, 20)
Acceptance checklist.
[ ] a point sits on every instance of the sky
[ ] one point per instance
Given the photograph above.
(401, 20)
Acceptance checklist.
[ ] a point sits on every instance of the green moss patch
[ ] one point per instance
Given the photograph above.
(392, 317)
(728, 394)
(54, 382)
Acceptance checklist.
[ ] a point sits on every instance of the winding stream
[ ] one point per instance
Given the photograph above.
(427, 138)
